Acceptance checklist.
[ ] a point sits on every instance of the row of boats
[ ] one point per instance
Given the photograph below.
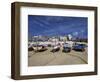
(66, 47)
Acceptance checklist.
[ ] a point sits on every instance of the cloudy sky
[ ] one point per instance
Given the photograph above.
(57, 25)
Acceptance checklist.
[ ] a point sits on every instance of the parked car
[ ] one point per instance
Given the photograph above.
(66, 47)
(79, 47)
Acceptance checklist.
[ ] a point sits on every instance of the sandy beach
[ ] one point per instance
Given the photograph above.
(47, 58)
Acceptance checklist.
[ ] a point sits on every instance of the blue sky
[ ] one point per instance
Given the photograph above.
(57, 25)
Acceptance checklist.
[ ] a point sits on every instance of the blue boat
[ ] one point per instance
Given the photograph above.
(79, 47)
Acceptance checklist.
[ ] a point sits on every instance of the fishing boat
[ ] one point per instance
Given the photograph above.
(66, 47)
(30, 47)
(55, 48)
(39, 48)
(43, 48)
